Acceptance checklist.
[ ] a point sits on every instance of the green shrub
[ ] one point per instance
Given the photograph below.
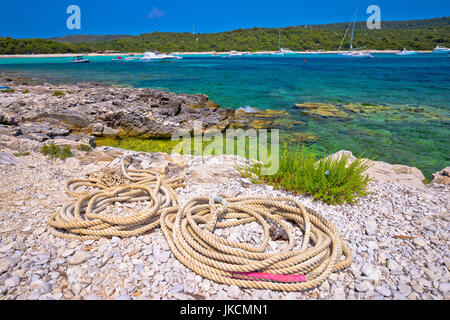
(84, 147)
(21, 154)
(329, 180)
(58, 93)
(26, 91)
(55, 151)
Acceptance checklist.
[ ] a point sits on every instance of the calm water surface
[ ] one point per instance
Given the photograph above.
(415, 130)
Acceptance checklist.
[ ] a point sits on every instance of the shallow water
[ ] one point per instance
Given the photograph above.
(415, 130)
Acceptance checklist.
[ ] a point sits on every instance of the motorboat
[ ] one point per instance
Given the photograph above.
(353, 53)
(235, 54)
(356, 54)
(156, 56)
(440, 49)
(117, 59)
(176, 55)
(80, 59)
(131, 58)
(406, 52)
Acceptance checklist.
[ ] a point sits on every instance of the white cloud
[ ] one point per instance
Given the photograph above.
(156, 13)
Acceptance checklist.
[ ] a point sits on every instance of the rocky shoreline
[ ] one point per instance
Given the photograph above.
(398, 234)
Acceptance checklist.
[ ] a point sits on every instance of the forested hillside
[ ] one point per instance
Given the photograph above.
(415, 34)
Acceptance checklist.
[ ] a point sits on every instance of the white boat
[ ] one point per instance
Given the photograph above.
(80, 59)
(176, 55)
(406, 52)
(156, 56)
(353, 53)
(282, 51)
(235, 54)
(356, 54)
(131, 58)
(440, 49)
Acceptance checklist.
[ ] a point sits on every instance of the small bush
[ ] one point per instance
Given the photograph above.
(21, 154)
(26, 91)
(58, 93)
(55, 151)
(84, 147)
(328, 180)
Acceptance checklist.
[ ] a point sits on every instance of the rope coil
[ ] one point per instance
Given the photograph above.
(228, 262)
(190, 229)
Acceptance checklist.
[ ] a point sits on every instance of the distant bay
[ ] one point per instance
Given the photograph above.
(395, 109)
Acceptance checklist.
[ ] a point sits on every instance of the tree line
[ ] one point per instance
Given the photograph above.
(255, 39)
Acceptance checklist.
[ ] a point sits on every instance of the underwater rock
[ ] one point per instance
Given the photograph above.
(300, 138)
(252, 118)
(324, 110)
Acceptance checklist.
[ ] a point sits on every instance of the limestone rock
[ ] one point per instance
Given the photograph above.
(442, 177)
(385, 172)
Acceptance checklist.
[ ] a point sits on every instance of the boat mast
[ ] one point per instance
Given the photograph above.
(353, 31)
(279, 40)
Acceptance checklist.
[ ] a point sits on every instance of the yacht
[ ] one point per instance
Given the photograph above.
(440, 49)
(406, 52)
(354, 53)
(282, 51)
(155, 56)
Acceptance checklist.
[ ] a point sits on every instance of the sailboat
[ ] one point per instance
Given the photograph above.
(282, 51)
(354, 53)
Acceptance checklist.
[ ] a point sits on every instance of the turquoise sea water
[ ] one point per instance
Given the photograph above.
(415, 89)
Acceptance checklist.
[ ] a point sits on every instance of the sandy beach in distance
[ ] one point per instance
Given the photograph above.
(60, 55)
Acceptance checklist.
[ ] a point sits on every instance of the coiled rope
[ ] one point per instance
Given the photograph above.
(83, 220)
(189, 232)
(304, 263)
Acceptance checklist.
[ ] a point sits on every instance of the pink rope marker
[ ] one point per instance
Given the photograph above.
(259, 276)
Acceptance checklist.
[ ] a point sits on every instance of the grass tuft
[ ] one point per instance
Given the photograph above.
(330, 180)
(22, 154)
(55, 151)
(84, 147)
(58, 93)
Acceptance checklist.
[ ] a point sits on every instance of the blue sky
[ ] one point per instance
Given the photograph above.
(47, 18)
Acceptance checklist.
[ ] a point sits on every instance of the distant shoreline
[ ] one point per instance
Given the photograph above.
(71, 55)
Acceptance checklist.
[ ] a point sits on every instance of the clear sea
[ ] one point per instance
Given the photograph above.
(408, 95)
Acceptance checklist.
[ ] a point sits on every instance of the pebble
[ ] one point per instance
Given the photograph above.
(420, 242)
(80, 257)
(362, 286)
(12, 282)
(383, 291)
(234, 291)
